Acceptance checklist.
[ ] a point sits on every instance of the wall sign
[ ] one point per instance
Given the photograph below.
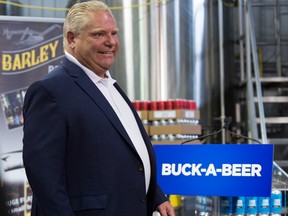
(215, 169)
(30, 47)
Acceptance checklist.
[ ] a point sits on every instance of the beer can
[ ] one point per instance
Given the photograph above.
(155, 138)
(163, 122)
(162, 137)
(168, 105)
(170, 122)
(177, 104)
(192, 105)
(251, 206)
(160, 105)
(136, 104)
(170, 137)
(226, 205)
(276, 202)
(144, 105)
(153, 105)
(238, 205)
(263, 206)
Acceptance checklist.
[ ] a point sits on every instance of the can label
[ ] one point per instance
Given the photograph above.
(226, 205)
(251, 205)
(276, 202)
(264, 205)
(238, 205)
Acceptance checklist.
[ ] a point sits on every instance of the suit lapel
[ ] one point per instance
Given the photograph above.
(140, 125)
(145, 137)
(95, 94)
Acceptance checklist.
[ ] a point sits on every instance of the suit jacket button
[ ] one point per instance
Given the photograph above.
(140, 168)
(143, 199)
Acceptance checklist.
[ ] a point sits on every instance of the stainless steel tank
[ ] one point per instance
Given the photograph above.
(168, 50)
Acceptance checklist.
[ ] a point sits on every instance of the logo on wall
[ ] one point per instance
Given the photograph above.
(34, 49)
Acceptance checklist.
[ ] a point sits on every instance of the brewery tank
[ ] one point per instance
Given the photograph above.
(169, 49)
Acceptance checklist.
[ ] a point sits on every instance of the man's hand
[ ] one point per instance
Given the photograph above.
(166, 209)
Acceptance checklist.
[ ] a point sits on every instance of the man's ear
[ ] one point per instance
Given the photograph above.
(70, 39)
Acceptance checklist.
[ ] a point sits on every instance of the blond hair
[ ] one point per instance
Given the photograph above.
(78, 17)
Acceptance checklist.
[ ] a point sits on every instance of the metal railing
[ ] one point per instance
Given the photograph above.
(251, 50)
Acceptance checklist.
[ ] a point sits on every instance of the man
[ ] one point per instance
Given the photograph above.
(85, 151)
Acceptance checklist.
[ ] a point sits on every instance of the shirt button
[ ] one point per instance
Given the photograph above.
(143, 199)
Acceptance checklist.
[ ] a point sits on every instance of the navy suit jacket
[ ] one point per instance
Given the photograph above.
(78, 158)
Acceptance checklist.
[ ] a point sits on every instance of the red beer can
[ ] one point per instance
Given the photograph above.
(153, 105)
(144, 105)
(168, 105)
(136, 104)
(160, 105)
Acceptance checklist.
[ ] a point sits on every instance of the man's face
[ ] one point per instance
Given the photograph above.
(97, 45)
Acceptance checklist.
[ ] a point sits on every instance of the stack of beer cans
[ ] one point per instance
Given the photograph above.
(252, 206)
(170, 121)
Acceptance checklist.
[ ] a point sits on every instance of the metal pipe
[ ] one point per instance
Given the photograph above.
(257, 76)
(8, 8)
(241, 40)
(221, 61)
(278, 38)
(129, 50)
(163, 52)
(154, 51)
(249, 93)
(266, 4)
(143, 41)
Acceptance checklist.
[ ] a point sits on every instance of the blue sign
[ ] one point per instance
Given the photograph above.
(215, 169)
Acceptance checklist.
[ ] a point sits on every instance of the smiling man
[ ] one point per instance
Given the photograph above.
(85, 151)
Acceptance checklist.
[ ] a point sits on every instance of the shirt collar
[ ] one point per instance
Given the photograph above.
(107, 81)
